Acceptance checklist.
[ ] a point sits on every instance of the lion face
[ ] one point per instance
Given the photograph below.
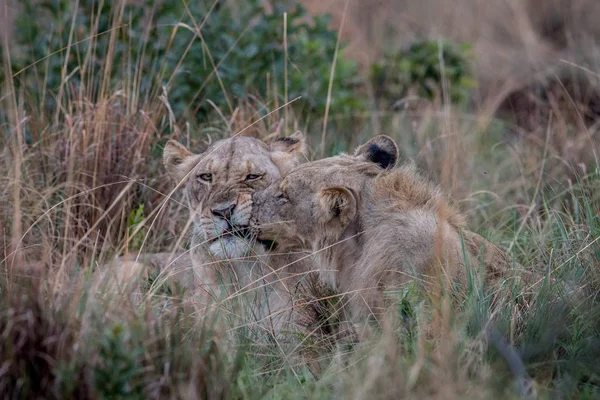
(220, 183)
(316, 201)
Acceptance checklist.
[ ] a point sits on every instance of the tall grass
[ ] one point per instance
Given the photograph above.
(72, 179)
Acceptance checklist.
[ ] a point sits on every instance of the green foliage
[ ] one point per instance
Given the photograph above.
(422, 68)
(136, 234)
(119, 371)
(248, 44)
(157, 45)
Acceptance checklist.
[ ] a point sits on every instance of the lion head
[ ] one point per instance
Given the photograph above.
(219, 184)
(316, 201)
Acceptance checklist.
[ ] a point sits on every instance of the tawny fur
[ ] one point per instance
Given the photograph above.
(372, 227)
(228, 264)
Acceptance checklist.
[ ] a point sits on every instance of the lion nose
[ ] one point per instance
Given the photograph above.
(224, 213)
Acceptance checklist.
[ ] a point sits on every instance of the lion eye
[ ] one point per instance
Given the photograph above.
(253, 177)
(205, 177)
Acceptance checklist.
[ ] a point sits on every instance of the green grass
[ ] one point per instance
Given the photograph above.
(83, 183)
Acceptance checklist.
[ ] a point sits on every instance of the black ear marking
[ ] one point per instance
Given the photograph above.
(380, 157)
(381, 150)
(337, 207)
(287, 140)
(295, 143)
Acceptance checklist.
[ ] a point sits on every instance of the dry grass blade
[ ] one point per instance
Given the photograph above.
(331, 76)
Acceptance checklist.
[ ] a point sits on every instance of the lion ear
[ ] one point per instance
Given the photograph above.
(337, 204)
(288, 152)
(381, 150)
(177, 160)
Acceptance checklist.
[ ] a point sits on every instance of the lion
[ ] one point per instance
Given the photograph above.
(228, 261)
(373, 227)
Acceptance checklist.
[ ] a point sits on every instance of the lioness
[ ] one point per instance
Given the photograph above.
(219, 187)
(372, 227)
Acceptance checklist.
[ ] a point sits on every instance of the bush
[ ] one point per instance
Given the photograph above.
(418, 70)
(156, 45)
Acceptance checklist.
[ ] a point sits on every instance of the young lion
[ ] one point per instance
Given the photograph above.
(219, 184)
(372, 227)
